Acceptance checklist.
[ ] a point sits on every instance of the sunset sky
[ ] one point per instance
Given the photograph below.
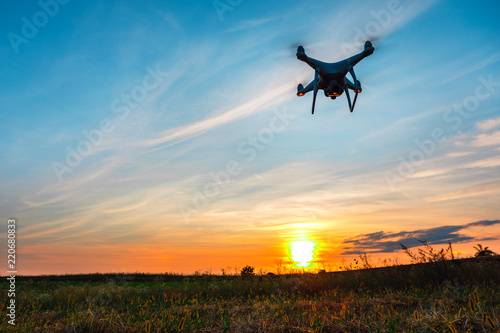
(162, 136)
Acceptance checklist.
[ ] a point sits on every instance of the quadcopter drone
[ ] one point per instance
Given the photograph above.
(331, 76)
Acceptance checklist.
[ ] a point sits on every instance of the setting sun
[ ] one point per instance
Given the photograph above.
(302, 252)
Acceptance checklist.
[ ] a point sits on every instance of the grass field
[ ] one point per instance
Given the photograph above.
(446, 296)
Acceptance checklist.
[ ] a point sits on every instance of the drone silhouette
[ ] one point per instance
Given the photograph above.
(331, 76)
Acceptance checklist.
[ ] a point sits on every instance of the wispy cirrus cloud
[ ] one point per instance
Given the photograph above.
(469, 63)
(472, 150)
(249, 24)
(182, 133)
(488, 187)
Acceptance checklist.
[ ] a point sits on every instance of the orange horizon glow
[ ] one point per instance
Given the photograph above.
(298, 251)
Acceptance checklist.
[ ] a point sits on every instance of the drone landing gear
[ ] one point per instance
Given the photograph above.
(315, 87)
(351, 107)
(356, 87)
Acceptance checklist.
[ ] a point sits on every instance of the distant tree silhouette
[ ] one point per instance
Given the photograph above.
(483, 252)
(247, 271)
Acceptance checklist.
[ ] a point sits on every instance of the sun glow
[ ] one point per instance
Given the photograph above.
(302, 253)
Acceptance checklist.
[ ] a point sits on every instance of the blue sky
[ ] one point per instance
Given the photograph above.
(194, 151)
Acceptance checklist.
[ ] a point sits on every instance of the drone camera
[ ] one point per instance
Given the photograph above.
(334, 89)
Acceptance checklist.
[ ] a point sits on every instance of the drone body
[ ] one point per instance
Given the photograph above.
(331, 77)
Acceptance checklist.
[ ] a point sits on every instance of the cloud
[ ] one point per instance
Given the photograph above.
(249, 24)
(485, 134)
(182, 133)
(171, 19)
(484, 163)
(482, 140)
(483, 223)
(431, 173)
(469, 64)
(488, 124)
(459, 154)
(405, 122)
(380, 242)
(473, 149)
(474, 190)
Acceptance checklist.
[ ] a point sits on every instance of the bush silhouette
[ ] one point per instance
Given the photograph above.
(429, 254)
(247, 271)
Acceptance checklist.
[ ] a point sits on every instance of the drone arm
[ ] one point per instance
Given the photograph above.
(360, 56)
(308, 88)
(301, 55)
(355, 59)
(349, 84)
(351, 70)
(356, 86)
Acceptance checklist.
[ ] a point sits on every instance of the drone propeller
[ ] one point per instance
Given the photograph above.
(378, 42)
(373, 39)
(316, 78)
(294, 45)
